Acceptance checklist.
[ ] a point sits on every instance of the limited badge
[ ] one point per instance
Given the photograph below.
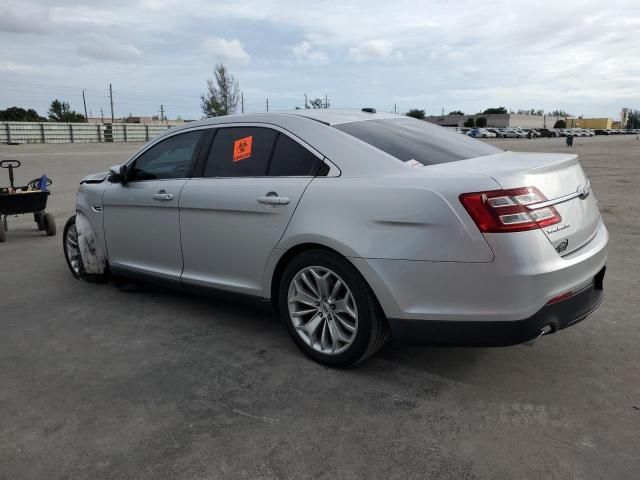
(242, 148)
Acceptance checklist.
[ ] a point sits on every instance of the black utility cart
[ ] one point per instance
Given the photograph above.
(31, 198)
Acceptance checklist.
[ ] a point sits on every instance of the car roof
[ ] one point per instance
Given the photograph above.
(329, 116)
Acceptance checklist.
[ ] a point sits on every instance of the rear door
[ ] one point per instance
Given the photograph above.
(233, 216)
(141, 216)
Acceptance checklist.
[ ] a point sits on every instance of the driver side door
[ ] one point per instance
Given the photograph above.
(141, 215)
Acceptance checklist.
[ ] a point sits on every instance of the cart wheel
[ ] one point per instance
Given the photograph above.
(49, 224)
(39, 219)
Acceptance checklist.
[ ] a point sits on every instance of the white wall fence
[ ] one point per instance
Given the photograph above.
(49, 132)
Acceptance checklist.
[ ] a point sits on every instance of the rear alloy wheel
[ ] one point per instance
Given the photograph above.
(330, 311)
(322, 310)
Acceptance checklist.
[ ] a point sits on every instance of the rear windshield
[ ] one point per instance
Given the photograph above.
(410, 139)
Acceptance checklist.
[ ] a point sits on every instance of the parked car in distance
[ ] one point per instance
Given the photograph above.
(354, 225)
(497, 131)
(601, 131)
(547, 132)
(518, 133)
(533, 131)
(481, 133)
(507, 133)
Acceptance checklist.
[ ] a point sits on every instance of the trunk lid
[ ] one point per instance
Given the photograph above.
(558, 176)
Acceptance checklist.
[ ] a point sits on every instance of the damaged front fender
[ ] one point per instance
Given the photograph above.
(94, 258)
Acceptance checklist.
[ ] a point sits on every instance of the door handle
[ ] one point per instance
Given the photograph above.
(162, 196)
(272, 198)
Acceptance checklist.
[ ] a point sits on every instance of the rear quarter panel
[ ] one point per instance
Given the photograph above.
(414, 216)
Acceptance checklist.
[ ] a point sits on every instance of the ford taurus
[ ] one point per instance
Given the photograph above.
(356, 225)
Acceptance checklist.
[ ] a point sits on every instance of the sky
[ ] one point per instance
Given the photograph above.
(579, 56)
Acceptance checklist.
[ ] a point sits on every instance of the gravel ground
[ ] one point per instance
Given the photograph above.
(97, 383)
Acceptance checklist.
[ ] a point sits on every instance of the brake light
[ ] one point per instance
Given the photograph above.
(506, 210)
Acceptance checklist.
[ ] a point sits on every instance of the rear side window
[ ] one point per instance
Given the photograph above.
(292, 159)
(409, 139)
(240, 152)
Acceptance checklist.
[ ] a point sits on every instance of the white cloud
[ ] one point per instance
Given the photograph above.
(305, 53)
(12, 67)
(24, 18)
(373, 50)
(224, 50)
(100, 47)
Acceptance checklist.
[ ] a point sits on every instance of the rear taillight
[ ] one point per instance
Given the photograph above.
(506, 210)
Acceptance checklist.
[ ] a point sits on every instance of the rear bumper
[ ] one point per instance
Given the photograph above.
(557, 316)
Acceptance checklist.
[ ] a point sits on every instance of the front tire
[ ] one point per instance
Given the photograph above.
(71, 247)
(330, 310)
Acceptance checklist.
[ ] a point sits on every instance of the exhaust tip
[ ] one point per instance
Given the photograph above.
(546, 329)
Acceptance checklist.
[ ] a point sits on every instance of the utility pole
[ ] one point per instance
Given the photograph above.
(306, 105)
(111, 100)
(242, 102)
(162, 113)
(326, 101)
(443, 111)
(395, 108)
(101, 114)
(267, 104)
(86, 118)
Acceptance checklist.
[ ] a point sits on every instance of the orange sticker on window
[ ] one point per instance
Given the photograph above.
(242, 148)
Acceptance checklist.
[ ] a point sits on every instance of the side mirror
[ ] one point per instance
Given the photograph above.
(118, 174)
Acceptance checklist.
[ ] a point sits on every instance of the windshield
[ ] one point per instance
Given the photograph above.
(410, 139)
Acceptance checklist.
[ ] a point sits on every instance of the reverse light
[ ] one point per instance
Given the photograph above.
(506, 210)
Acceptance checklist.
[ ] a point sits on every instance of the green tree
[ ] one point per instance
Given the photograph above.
(494, 110)
(560, 113)
(481, 122)
(415, 113)
(223, 92)
(560, 124)
(634, 119)
(17, 114)
(469, 122)
(319, 103)
(456, 112)
(60, 111)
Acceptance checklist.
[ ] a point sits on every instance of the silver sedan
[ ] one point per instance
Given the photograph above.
(356, 225)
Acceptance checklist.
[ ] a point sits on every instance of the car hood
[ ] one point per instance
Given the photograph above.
(95, 178)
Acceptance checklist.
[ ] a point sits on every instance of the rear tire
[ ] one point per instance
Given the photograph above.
(49, 224)
(343, 336)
